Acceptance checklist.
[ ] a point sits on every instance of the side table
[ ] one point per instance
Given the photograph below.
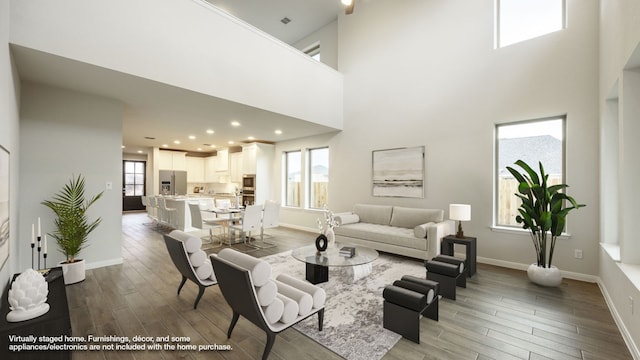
(448, 242)
(55, 323)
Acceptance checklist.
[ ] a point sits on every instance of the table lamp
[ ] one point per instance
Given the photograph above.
(460, 212)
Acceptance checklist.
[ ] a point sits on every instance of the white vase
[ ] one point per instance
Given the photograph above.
(73, 272)
(331, 238)
(543, 276)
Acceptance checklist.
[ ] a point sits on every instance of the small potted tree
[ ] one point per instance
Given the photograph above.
(543, 212)
(72, 227)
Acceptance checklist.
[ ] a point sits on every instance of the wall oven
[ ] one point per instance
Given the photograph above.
(248, 189)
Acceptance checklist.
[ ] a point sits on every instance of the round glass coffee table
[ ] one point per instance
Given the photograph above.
(318, 263)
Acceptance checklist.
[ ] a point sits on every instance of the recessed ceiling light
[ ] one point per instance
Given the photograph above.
(139, 151)
(213, 146)
(235, 123)
(278, 132)
(231, 142)
(176, 141)
(209, 131)
(165, 145)
(192, 137)
(199, 149)
(251, 138)
(123, 146)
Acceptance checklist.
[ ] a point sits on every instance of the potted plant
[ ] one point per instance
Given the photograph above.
(72, 227)
(543, 212)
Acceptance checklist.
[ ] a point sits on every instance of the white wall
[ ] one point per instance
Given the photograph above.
(620, 280)
(413, 77)
(9, 109)
(65, 133)
(327, 37)
(185, 44)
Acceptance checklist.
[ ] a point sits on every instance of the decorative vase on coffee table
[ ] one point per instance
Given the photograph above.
(331, 237)
(544, 276)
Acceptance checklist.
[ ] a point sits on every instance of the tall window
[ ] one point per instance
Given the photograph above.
(134, 178)
(318, 170)
(520, 20)
(533, 142)
(293, 161)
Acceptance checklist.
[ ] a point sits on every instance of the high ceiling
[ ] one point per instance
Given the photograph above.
(158, 114)
(306, 16)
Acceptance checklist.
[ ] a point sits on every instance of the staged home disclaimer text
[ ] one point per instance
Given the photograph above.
(109, 343)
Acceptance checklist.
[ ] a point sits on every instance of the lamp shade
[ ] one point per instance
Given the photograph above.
(461, 212)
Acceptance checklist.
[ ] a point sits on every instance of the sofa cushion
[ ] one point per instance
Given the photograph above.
(347, 218)
(374, 214)
(411, 217)
(386, 234)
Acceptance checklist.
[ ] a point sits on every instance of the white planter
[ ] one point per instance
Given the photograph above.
(73, 272)
(544, 276)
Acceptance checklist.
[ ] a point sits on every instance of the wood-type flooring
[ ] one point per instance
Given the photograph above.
(500, 315)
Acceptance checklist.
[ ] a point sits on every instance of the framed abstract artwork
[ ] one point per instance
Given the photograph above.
(398, 172)
(4, 206)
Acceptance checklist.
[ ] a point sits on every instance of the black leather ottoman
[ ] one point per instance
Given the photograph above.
(405, 301)
(449, 272)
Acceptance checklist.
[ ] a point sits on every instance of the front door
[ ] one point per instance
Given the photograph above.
(133, 180)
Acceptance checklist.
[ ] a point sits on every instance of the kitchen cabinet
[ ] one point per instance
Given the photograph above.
(195, 169)
(223, 160)
(210, 168)
(235, 167)
(173, 160)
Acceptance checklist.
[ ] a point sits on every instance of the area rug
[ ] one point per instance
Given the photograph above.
(353, 310)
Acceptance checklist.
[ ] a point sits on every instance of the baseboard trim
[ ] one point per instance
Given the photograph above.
(628, 339)
(104, 263)
(519, 266)
(298, 227)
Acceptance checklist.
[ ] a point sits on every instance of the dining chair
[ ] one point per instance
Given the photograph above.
(250, 221)
(199, 223)
(270, 219)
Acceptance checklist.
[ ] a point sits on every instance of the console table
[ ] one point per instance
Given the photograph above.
(446, 248)
(55, 322)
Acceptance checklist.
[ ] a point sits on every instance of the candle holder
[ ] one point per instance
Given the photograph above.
(44, 256)
(39, 250)
(33, 245)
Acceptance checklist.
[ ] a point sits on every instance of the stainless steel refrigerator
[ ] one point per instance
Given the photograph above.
(173, 182)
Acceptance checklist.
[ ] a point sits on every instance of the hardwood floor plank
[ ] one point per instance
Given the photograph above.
(500, 315)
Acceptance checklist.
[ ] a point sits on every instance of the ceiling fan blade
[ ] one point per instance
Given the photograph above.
(349, 8)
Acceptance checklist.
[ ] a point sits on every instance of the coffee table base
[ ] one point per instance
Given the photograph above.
(317, 273)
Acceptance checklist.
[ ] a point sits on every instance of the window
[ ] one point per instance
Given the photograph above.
(134, 178)
(293, 161)
(313, 51)
(318, 170)
(520, 20)
(531, 141)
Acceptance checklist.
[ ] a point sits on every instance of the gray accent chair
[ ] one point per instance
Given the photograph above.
(180, 258)
(238, 290)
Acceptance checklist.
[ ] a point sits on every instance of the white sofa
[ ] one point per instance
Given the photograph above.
(399, 230)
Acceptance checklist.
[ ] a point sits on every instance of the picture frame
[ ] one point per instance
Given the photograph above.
(4, 205)
(398, 172)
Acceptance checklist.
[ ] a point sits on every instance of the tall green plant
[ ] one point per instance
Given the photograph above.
(72, 225)
(543, 210)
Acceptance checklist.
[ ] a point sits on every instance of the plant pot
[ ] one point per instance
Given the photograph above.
(550, 276)
(73, 272)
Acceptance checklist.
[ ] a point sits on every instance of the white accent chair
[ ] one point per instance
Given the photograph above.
(198, 222)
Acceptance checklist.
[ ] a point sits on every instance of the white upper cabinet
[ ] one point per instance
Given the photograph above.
(235, 167)
(223, 160)
(173, 160)
(195, 169)
(210, 168)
